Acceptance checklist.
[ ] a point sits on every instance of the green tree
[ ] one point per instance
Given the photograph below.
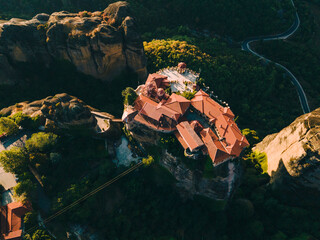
(41, 142)
(251, 135)
(8, 126)
(26, 121)
(129, 96)
(147, 161)
(19, 118)
(188, 95)
(14, 160)
(25, 187)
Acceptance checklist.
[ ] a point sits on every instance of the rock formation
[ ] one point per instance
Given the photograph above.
(100, 44)
(61, 111)
(294, 156)
(191, 182)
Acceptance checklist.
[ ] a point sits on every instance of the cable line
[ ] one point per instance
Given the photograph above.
(63, 210)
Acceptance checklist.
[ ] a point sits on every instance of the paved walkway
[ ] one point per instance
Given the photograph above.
(102, 126)
(8, 180)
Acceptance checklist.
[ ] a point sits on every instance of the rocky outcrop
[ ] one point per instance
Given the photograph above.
(191, 182)
(61, 111)
(294, 156)
(100, 44)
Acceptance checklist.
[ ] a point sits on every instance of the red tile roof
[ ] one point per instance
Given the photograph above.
(215, 148)
(189, 136)
(181, 140)
(177, 103)
(11, 220)
(222, 119)
(150, 108)
(161, 81)
(143, 121)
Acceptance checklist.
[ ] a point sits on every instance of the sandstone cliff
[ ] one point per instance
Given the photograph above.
(100, 44)
(294, 155)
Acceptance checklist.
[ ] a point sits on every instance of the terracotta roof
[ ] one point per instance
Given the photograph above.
(11, 220)
(143, 121)
(222, 119)
(181, 140)
(16, 235)
(150, 108)
(182, 65)
(215, 148)
(158, 79)
(178, 103)
(189, 136)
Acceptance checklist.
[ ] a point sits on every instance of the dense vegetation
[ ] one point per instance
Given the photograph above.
(301, 52)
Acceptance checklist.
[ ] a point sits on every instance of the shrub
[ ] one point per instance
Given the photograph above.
(41, 235)
(129, 96)
(188, 95)
(251, 135)
(85, 14)
(147, 161)
(25, 121)
(42, 27)
(8, 126)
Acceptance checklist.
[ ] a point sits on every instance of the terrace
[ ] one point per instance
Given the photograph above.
(180, 81)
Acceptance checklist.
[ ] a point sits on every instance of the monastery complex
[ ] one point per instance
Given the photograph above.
(201, 125)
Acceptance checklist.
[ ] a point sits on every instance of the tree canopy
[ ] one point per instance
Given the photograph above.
(41, 142)
(8, 126)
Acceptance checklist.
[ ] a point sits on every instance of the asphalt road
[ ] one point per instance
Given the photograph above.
(246, 47)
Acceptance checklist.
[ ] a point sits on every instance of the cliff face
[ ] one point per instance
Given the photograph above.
(191, 181)
(294, 155)
(100, 44)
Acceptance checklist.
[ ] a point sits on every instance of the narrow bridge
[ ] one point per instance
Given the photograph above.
(118, 120)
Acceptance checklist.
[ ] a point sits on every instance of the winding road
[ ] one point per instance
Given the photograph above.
(246, 47)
